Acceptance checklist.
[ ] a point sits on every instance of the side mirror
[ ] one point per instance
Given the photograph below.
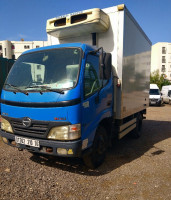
(105, 66)
(105, 63)
(101, 65)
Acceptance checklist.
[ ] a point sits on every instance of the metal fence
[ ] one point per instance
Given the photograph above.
(5, 66)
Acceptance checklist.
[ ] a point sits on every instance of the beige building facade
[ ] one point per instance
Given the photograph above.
(161, 59)
(13, 49)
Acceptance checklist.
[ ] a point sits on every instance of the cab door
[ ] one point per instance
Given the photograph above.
(94, 97)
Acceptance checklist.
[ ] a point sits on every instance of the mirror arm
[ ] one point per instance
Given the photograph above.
(96, 51)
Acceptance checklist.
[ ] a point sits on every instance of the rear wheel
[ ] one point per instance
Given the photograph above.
(97, 155)
(136, 133)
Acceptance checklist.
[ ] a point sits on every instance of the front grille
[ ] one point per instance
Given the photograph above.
(35, 128)
(154, 100)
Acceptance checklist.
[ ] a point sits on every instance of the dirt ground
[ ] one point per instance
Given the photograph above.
(134, 169)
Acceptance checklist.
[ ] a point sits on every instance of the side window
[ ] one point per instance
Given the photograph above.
(92, 81)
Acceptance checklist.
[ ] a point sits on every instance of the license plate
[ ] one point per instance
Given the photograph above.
(153, 102)
(26, 141)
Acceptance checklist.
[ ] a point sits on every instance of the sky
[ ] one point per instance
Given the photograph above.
(27, 18)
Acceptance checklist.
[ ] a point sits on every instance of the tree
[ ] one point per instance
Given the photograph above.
(160, 80)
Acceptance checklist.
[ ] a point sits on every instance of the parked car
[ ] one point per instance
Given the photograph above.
(155, 95)
(166, 94)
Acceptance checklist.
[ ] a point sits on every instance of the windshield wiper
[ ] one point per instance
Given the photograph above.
(47, 88)
(55, 90)
(17, 89)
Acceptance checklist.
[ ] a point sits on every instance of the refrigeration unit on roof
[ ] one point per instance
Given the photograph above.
(77, 24)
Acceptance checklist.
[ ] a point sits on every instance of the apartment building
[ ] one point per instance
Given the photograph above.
(13, 49)
(161, 59)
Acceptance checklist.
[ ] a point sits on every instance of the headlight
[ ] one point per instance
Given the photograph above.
(70, 132)
(6, 126)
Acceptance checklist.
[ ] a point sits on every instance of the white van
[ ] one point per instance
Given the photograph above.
(155, 96)
(166, 94)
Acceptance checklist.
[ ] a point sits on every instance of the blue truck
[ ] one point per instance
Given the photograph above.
(73, 99)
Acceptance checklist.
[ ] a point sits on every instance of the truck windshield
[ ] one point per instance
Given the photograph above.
(50, 70)
(154, 92)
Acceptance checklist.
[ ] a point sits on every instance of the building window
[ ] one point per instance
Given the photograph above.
(38, 66)
(163, 50)
(13, 57)
(12, 46)
(37, 46)
(0, 47)
(163, 69)
(163, 59)
(5, 51)
(39, 77)
(26, 47)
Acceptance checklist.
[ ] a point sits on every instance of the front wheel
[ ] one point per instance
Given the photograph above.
(159, 104)
(97, 155)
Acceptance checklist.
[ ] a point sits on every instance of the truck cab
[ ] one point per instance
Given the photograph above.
(58, 102)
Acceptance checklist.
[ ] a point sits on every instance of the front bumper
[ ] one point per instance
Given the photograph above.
(155, 102)
(50, 147)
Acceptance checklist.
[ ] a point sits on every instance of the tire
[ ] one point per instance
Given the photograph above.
(98, 153)
(159, 104)
(169, 102)
(136, 133)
